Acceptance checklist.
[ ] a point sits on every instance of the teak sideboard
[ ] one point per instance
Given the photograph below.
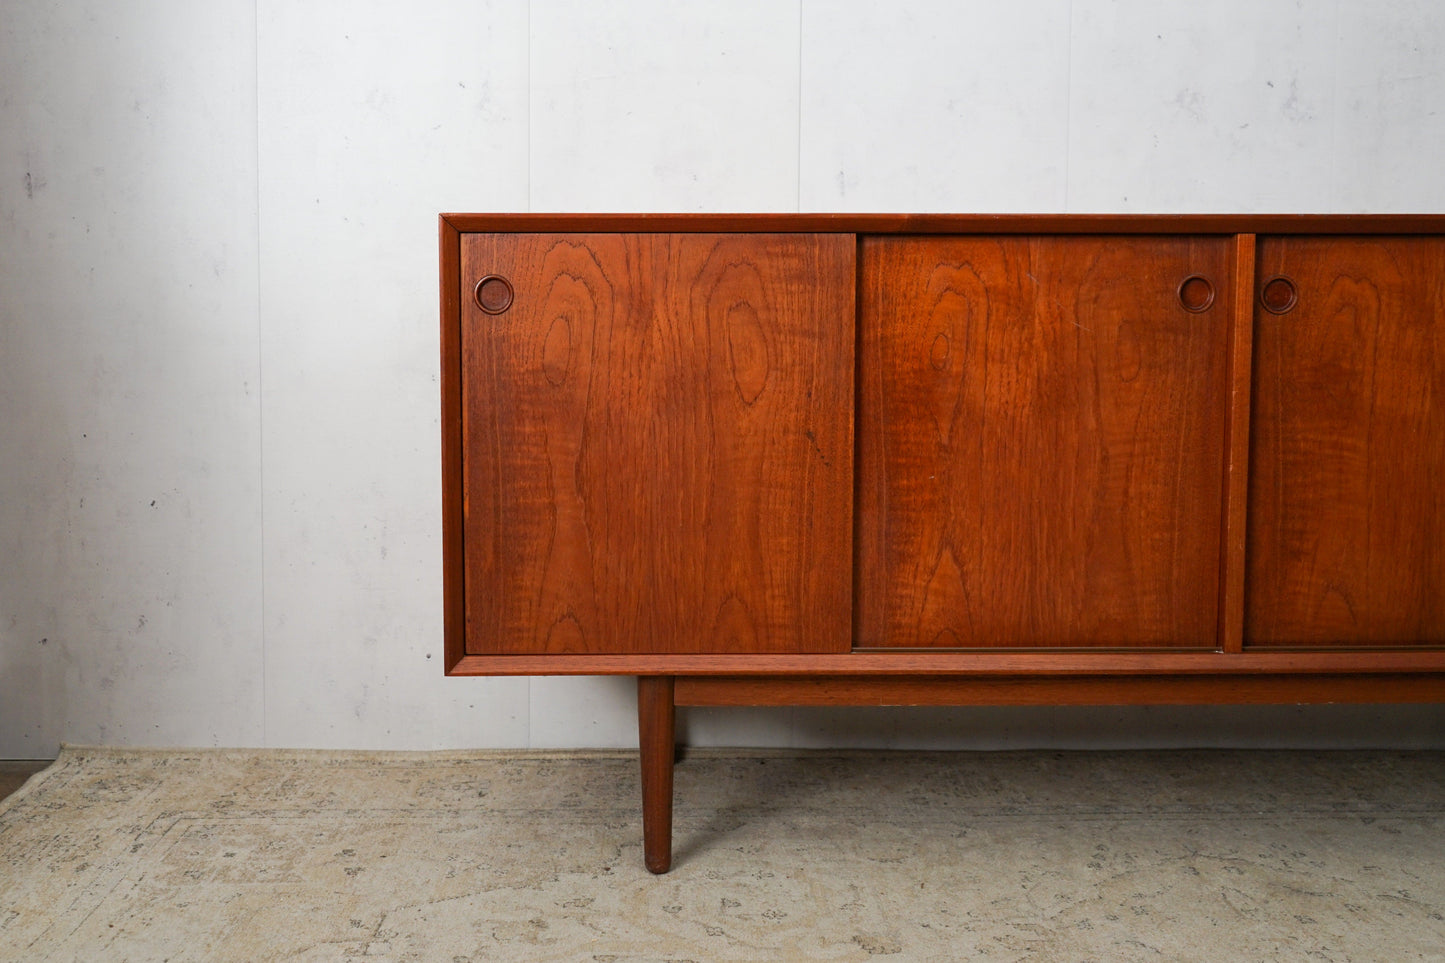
(944, 459)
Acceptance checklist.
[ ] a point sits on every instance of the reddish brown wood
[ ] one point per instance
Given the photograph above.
(1278, 294)
(647, 460)
(1347, 486)
(656, 730)
(816, 690)
(1040, 441)
(1236, 448)
(1223, 224)
(659, 443)
(969, 663)
(453, 593)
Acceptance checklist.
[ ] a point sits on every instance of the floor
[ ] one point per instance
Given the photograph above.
(14, 772)
(1035, 857)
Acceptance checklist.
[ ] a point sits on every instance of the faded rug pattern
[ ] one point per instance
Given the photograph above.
(462, 857)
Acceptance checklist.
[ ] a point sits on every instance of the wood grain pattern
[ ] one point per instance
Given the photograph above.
(895, 662)
(1041, 428)
(453, 515)
(1236, 448)
(659, 443)
(1220, 224)
(1025, 690)
(1347, 486)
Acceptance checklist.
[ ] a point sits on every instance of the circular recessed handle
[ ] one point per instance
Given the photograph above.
(493, 294)
(1196, 293)
(1278, 295)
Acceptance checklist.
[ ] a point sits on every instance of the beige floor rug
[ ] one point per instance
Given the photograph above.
(272, 855)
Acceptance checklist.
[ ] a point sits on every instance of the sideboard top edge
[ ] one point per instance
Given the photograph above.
(954, 223)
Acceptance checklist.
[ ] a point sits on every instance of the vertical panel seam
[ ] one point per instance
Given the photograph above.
(1239, 390)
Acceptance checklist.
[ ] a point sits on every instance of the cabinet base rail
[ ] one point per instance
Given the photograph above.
(659, 695)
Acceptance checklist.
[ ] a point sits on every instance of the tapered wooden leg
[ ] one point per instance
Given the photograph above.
(655, 731)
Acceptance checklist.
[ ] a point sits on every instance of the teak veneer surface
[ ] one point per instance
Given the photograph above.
(1042, 472)
(1347, 493)
(1041, 442)
(1152, 459)
(1042, 690)
(660, 446)
(894, 662)
(1319, 224)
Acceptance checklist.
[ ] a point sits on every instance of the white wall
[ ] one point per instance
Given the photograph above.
(219, 456)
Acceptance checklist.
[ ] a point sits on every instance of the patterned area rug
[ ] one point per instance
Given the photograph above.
(266, 855)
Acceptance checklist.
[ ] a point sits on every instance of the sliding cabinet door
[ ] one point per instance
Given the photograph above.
(1346, 540)
(657, 442)
(1041, 427)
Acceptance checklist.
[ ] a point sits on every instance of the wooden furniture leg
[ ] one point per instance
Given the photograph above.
(655, 731)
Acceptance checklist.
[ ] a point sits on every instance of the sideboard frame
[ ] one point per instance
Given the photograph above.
(1227, 673)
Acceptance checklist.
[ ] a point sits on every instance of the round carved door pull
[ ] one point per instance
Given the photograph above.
(1278, 295)
(1196, 293)
(493, 294)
